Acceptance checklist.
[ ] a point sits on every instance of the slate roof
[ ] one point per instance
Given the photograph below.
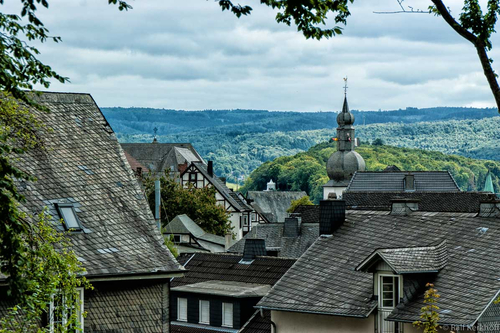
(273, 204)
(203, 267)
(84, 164)
(308, 213)
(466, 202)
(324, 279)
(182, 224)
(426, 259)
(228, 194)
(160, 156)
(257, 323)
(272, 233)
(392, 181)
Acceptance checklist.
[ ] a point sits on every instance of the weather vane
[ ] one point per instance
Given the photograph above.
(155, 130)
(345, 86)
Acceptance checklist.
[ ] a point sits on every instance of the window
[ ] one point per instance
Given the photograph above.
(389, 291)
(185, 239)
(182, 309)
(68, 214)
(59, 313)
(192, 177)
(227, 314)
(205, 312)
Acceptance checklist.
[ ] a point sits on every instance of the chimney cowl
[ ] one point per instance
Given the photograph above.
(253, 247)
(291, 227)
(331, 216)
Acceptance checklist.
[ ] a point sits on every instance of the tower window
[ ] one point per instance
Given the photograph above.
(68, 214)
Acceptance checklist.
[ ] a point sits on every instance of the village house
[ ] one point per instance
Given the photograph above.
(189, 237)
(219, 291)
(202, 175)
(271, 206)
(368, 271)
(84, 179)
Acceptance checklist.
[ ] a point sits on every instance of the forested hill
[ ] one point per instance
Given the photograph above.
(244, 139)
(144, 120)
(306, 171)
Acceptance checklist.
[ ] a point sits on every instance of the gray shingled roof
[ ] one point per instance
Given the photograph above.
(465, 202)
(182, 224)
(84, 164)
(408, 260)
(203, 267)
(273, 204)
(324, 279)
(258, 323)
(160, 156)
(228, 194)
(272, 233)
(392, 181)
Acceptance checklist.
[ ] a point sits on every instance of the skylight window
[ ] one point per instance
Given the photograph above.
(68, 214)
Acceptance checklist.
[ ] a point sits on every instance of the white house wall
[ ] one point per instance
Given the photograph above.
(235, 219)
(292, 322)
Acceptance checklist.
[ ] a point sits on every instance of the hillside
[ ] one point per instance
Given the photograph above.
(306, 171)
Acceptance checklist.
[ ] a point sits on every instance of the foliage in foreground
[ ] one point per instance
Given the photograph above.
(51, 271)
(429, 317)
(307, 171)
(197, 203)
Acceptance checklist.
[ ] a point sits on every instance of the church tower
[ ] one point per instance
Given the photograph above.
(345, 161)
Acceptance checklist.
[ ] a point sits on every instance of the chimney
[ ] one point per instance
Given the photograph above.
(403, 206)
(331, 216)
(291, 227)
(253, 248)
(489, 209)
(409, 182)
(210, 168)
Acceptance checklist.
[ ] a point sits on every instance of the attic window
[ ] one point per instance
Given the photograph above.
(68, 214)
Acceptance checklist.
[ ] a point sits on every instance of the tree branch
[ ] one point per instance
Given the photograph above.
(443, 11)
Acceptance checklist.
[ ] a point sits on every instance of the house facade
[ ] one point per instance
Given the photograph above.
(84, 179)
(202, 175)
(219, 291)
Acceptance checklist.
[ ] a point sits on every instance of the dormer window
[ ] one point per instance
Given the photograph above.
(68, 214)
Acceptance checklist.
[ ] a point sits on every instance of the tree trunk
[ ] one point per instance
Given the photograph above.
(478, 44)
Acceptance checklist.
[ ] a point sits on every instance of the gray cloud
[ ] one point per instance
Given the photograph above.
(193, 56)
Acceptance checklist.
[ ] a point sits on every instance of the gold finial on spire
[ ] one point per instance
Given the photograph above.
(345, 86)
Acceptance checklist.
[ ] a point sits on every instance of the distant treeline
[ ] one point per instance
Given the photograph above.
(306, 171)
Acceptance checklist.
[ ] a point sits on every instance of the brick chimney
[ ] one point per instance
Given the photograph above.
(331, 216)
(253, 248)
(210, 168)
(291, 227)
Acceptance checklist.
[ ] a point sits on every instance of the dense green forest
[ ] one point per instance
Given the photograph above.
(306, 171)
(239, 141)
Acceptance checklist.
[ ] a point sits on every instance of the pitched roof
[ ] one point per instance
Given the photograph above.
(221, 187)
(83, 164)
(273, 204)
(272, 233)
(426, 259)
(203, 267)
(182, 224)
(258, 323)
(160, 156)
(466, 202)
(393, 181)
(324, 279)
(308, 213)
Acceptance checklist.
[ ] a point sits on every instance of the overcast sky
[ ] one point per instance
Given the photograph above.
(188, 54)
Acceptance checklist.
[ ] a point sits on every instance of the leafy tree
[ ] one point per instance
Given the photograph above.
(304, 201)
(378, 142)
(428, 314)
(169, 242)
(197, 203)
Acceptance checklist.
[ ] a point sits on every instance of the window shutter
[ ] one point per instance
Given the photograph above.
(227, 314)
(205, 312)
(182, 309)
